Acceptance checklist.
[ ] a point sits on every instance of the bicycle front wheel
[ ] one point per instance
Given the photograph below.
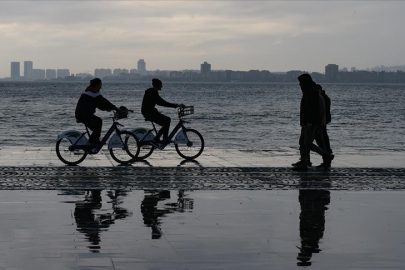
(130, 150)
(194, 146)
(67, 156)
(145, 150)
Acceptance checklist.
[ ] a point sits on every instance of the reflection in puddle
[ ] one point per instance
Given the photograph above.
(91, 219)
(152, 214)
(313, 199)
(93, 216)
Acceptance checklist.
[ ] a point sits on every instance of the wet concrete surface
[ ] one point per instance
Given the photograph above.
(212, 157)
(231, 209)
(267, 229)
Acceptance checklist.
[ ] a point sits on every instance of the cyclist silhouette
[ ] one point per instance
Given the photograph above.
(86, 107)
(150, 100)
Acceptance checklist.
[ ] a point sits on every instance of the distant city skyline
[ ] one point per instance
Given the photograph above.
(177, 35)
(332, 74)
(31, 73)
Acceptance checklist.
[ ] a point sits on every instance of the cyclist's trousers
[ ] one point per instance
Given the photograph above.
(95, 124)
(161, 120)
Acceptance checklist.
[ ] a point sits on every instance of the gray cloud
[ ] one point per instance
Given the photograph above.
(83, 35)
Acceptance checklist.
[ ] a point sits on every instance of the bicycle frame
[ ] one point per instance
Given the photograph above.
(145, 141)
(114, 127)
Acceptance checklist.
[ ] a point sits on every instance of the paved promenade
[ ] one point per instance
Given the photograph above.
(231, 209)
(280, 157)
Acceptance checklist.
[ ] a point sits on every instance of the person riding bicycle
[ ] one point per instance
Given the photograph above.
(86, 107)
(150, 100)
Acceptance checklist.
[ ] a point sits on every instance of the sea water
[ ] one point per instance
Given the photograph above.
(228, 115)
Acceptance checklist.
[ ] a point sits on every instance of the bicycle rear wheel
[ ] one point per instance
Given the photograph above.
(194, 146)
(67, 156)
(130, 150)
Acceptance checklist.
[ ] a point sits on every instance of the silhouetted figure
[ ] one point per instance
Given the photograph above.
(152, 214)
(86, 220)
(92, 224)
(150, 100)
(86, 107)
(328, 118)
(312, 220)
(312, 120)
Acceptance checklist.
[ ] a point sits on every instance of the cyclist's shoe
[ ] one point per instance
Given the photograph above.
(93, 149)
(156, 144)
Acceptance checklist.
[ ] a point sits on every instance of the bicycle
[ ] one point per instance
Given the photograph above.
(189, 143)
(72, 146)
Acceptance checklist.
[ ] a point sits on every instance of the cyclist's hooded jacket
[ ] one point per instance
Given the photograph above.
(151, 99)
(91, 100)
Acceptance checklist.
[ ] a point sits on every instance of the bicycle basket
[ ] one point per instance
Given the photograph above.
(121, 113)
(186, 111)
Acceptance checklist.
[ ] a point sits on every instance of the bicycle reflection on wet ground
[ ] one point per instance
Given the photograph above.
(91, 220)
(228, 229)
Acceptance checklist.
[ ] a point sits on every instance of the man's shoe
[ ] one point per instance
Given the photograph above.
(299, 162)
(300, 166)
(327, 161)
(323, 166)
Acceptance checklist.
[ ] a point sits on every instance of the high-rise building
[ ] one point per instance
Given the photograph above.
(102, 72)
(205, 70)
(50, 74)
(116, 71)
(15, 70)
(28, 66)
(331, 72)
(134, 70)
(38, 74)
(142, 67)
(62, 73)
(84, 75)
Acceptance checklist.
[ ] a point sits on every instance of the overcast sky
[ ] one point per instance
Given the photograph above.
(176, 35)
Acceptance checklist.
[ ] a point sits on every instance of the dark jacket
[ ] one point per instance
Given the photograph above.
(89, 102)
(312, 109)
(151, 99)
(327, 107)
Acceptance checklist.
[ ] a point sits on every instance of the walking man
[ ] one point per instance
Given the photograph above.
(312, 120)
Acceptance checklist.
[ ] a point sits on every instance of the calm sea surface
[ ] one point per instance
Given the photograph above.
(229, 115)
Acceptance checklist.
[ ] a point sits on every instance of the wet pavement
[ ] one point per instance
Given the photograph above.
(271, 229)
(212, 157)
(231, 209)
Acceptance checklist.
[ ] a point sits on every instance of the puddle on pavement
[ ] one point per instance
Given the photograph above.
(183, 229)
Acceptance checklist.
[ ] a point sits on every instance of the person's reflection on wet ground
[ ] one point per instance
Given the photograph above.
(152, 214)
(314, 196)
(90, 223)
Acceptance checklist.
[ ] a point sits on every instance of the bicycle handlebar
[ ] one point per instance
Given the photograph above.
(186, 110)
